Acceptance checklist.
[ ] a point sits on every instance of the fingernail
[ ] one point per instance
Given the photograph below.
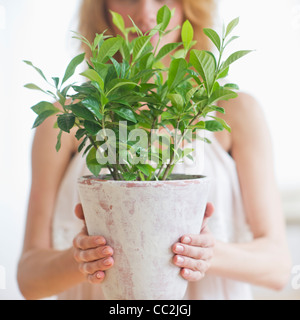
(100, 241)
(180, 260)
(99, 275)
(186, 240)
(107, 262)
(179, 249)
(186, 272)
(106, 251)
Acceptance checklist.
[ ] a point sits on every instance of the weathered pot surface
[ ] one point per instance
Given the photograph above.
(141, 221)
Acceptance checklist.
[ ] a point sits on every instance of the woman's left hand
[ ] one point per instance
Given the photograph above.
(194, 252)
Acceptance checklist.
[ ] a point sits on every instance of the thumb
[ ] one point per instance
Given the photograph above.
(208, 214)
(79, 212)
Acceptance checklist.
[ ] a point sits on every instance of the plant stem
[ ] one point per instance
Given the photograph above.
(160, 170)
(169, 167)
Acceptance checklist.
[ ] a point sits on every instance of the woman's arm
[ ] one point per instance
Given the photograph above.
(43, 271)
(265, 261)
(39, 265)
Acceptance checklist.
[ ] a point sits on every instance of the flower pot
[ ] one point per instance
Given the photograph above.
(141, 221)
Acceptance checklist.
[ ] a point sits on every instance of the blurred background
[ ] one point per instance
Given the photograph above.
(39, 31)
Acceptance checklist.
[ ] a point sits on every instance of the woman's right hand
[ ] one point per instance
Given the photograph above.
(92, 254)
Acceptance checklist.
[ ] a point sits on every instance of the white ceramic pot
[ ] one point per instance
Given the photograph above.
(141, 221)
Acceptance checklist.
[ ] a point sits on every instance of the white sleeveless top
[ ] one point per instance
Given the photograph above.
(228, 223)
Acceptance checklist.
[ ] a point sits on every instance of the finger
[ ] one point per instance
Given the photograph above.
(191, 264)
(79, 212)
(96, 278)
(205, 240)
(193, 252)
(85, 242)
(90, 268)
(208, 214)
(209, 210)
(191, 276)
(93, 254)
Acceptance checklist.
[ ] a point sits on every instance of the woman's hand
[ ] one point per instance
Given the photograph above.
(92, 254)
(195, 252)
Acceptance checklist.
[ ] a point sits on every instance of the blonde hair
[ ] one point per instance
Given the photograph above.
(93, 18)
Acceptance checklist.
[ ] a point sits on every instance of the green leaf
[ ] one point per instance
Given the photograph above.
(230, 40)
(205, 64)
(187, 35)
(214, 37)
(66, 122)
(223, 123)
(139, 47)
(168, 116)
(42, 117)
(166, 49)
(121, 83)
(37, 69)
(80, 133)
(85, 89)
(32, 86)
(92, 163)
(231, 26)
(56, 81)
(58, 144)
(223, 73)
(126, 114)
(97, 42)
(136, 28)
(100, 68)
(108, 49)
(177, 101)
(234, 57)
(232, 86)
(177, 71)
(116, 65)
(199, 125)
(93, 76)
(124, 50)
(146, 169)
(213, 126)
(118, 21)
(43, 106)
(190, 94)
(72, 67)
(129, 176)
(82, 112)
(82, 144)
(164, 16)
(92, 127)
(93, 105)
(84, 40)
(222, 94)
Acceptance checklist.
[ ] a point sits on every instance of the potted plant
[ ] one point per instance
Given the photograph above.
(128, 97)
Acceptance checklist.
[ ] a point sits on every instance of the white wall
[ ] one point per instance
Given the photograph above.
(39, 31)
(271, 73)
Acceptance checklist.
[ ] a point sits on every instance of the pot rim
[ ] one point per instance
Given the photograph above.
(177, 179)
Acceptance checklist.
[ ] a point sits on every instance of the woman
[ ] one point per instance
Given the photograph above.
(247, 224)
